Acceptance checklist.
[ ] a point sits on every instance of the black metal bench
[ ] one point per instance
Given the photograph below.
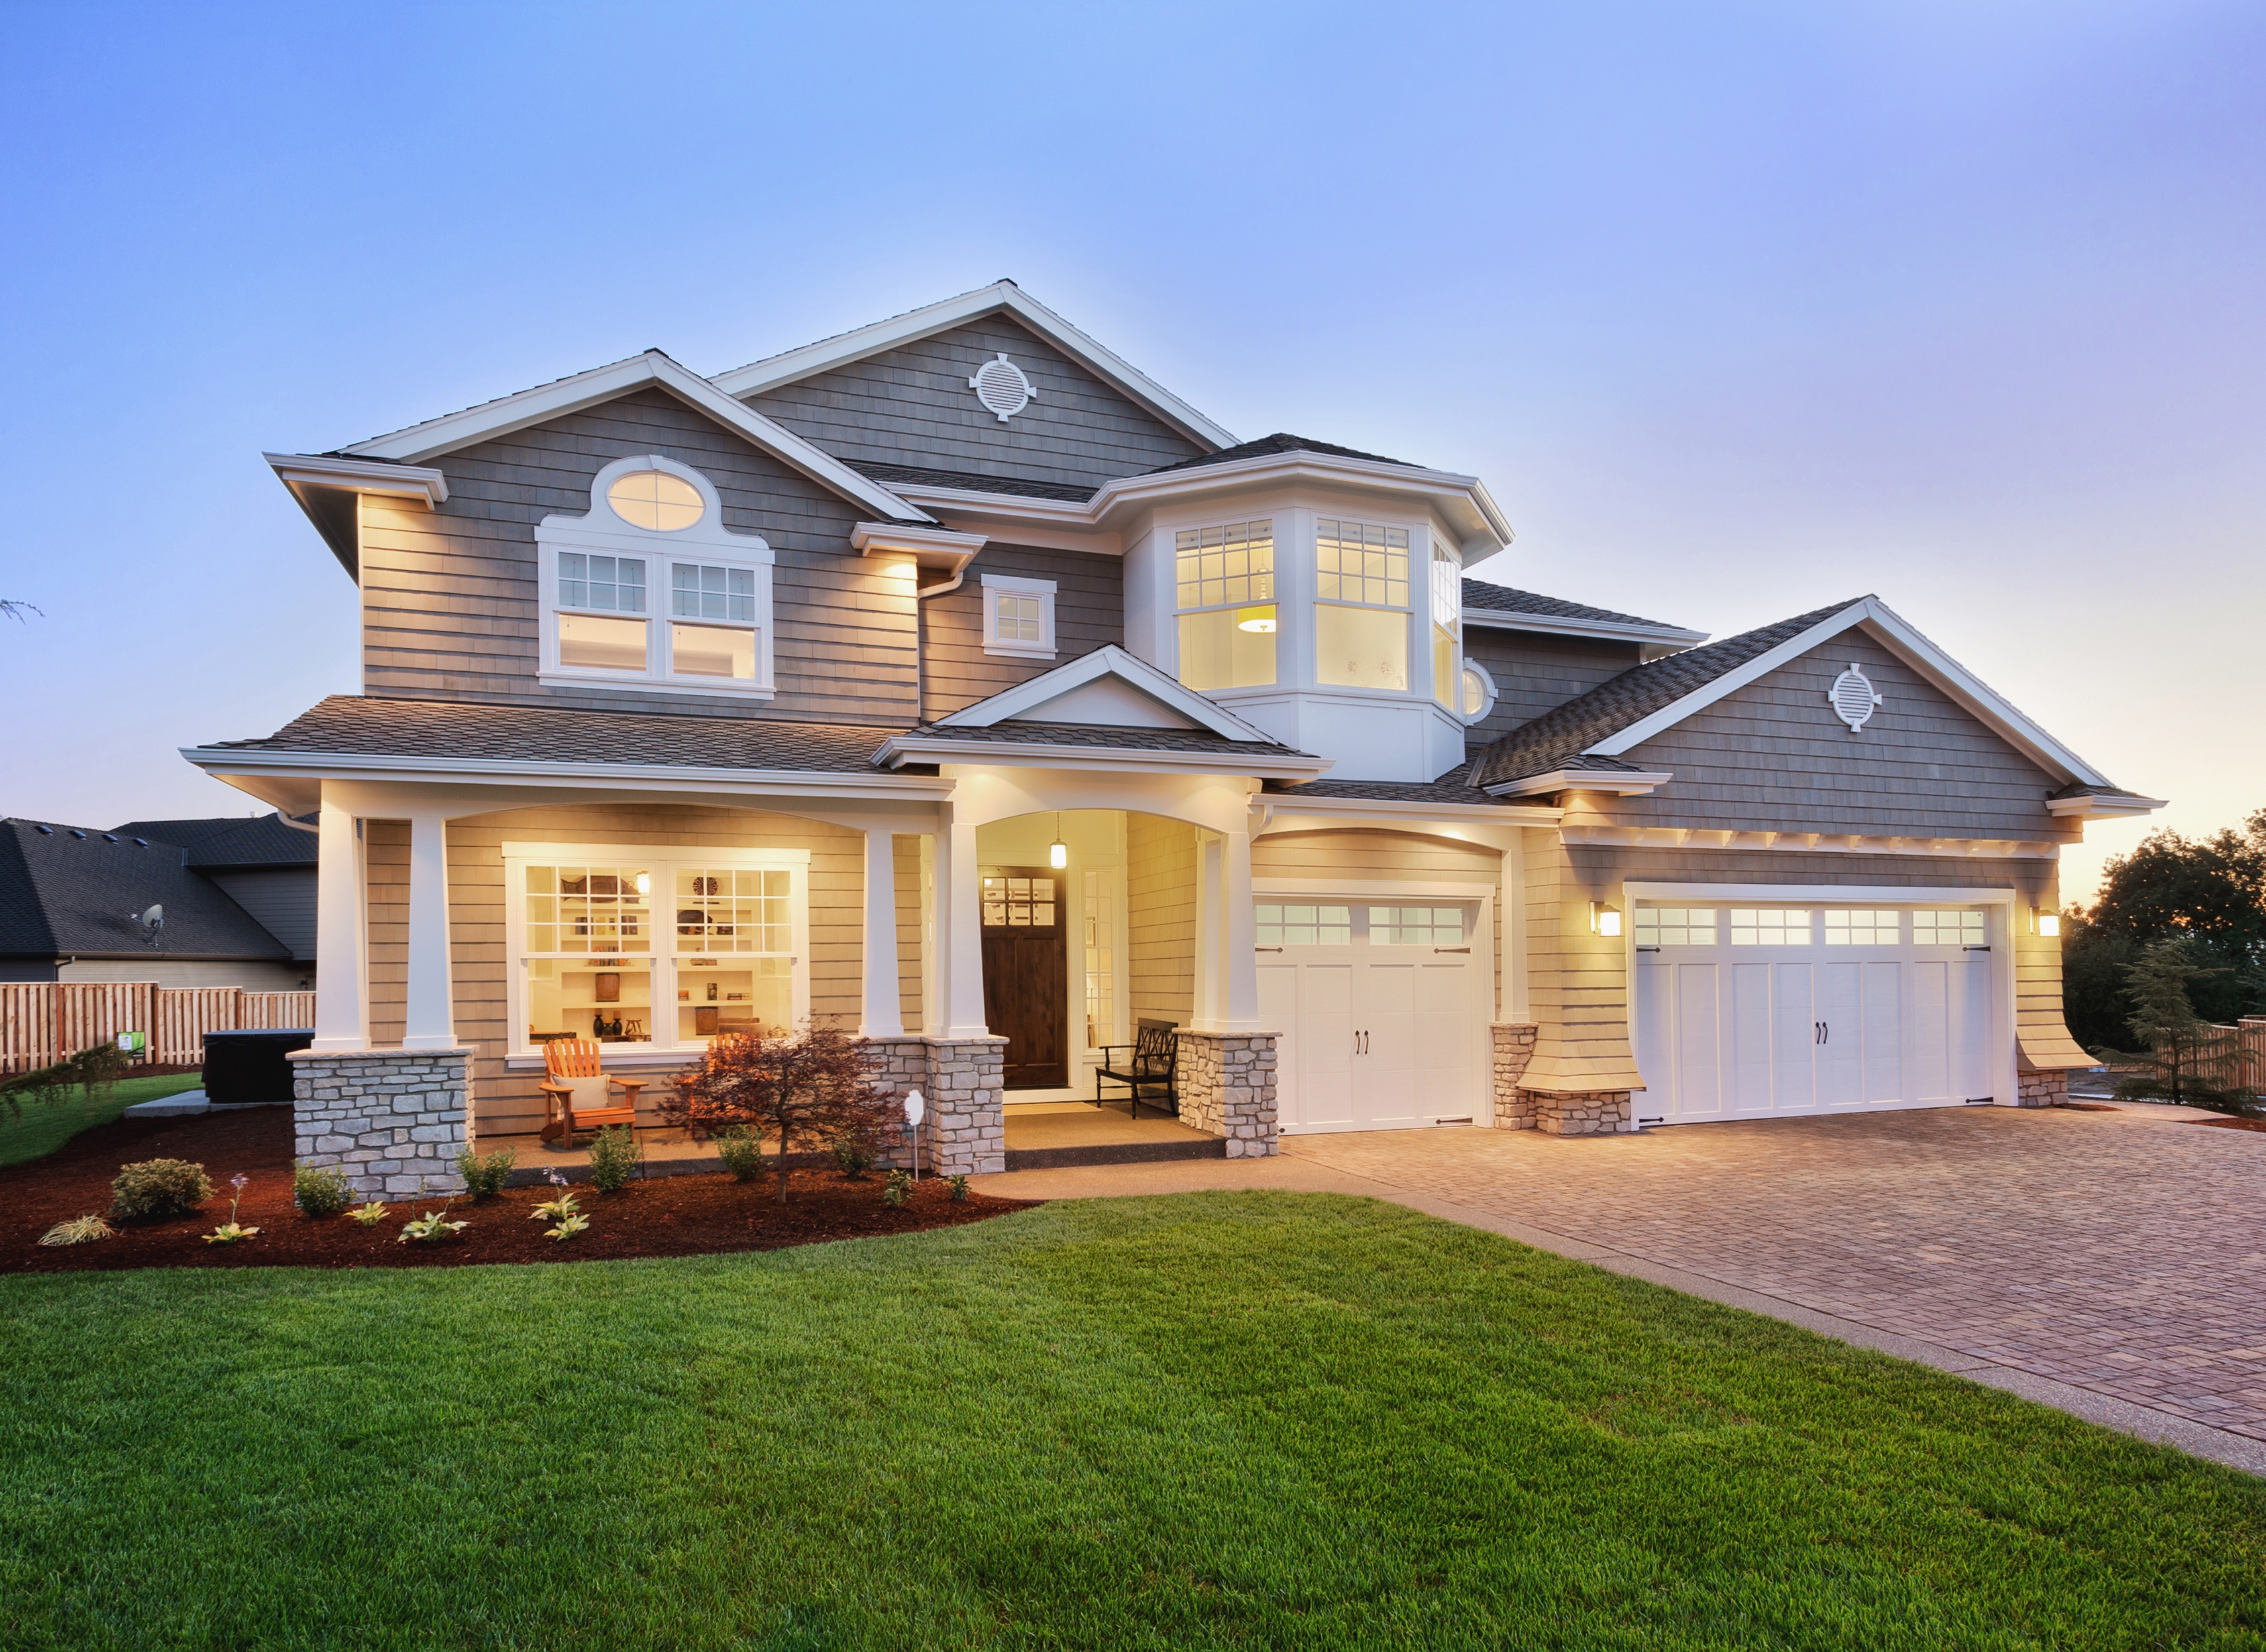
(1150, 1062)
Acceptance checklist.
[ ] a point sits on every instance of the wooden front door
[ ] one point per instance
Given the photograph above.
(1026, 973)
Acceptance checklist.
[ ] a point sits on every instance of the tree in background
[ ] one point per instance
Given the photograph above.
(2161, 984)
(2210, 890)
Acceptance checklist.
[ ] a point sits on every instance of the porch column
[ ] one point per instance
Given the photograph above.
(1511, 1005)
(429, 1010)
(341, 1003)
(882, 1018)
(961, 920)
(1239, 936)
(1210, 1007)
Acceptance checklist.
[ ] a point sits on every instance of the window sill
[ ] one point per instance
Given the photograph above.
(1006, 652)
(656, 685)
(614, 1058)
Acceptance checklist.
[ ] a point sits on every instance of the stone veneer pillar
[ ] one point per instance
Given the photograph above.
(1582, 1112)
(1514, 1048)
(393, 1119)
(963, 1081)
(2046, 1088)
(1227, 1088)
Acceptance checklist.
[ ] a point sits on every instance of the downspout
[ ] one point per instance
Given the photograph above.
(921, 593)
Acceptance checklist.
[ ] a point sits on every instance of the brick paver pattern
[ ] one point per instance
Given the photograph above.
(2109, 1252)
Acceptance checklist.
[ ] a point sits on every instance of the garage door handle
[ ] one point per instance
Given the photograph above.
(1450, 949)
(1266, 949)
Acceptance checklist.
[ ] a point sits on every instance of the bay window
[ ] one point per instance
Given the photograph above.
(1225, 578)
(665, 948)
(1360, 611)
(1447, 625)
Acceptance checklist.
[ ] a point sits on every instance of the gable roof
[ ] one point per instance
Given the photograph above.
(1108, 661)
(1499, 607)
(232, 840)
(1001, 297)
(452, 431)
(67, 890)
(1593, 731)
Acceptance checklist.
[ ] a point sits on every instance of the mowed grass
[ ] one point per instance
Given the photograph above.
(42, 1127)
(1248, 1420)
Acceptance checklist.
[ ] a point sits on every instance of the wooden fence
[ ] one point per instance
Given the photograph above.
(2218, 1059)
(43, 1021)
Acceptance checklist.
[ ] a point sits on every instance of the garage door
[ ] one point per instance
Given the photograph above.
(1377, 1006)
(1766, 1012)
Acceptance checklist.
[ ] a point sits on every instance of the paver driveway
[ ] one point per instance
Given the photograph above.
(2117, 1252)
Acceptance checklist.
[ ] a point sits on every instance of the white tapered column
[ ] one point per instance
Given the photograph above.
(882, 1016)
(1238, 938)
(430, 1007)
(341, 961)
(959, 880)
(1211, 1005)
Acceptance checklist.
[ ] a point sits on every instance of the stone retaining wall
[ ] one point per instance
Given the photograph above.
(1589, 1113)
(392, 1119)
(1514, 1048)
(1226, 1082)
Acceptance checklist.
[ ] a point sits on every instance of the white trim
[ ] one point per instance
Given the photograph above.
(222, 760)
(1823, 843)
(1873, 895)
(417, 482)
(437, 436)
(1438, 889)
(2103, 807)
(930, 547)
(1557, 624)
(827, 353)
(1447, 490)
(1290, 805)
(1471, 720)
(1109, 660)
(902, 749)
(1619, 782)
(1015, 585)
(1917, 651)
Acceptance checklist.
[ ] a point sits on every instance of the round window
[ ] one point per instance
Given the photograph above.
(1475, 693)
(656, 499)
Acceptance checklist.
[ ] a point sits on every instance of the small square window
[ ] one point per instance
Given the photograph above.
(1019, 616)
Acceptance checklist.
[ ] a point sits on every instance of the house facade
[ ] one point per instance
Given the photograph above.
(954, 681)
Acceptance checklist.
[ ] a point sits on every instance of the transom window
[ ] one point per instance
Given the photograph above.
(1675, 927)
(1224, 579)
(657, 501)
(1770, 926)
(1280, 924)
(1864, 926)
(1016, 901)
(1949, 929)
(1415, 926)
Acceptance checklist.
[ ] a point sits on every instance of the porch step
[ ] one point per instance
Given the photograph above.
(1114, 1153)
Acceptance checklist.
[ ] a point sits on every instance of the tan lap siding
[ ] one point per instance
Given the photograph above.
(905, 852)
(385, 845)
(1089, 612)
(1160, 926)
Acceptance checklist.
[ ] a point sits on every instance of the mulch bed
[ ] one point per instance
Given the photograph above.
(2236, 1124)
(668, 1215)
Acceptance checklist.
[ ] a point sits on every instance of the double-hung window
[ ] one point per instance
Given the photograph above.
(1360, 614)
(1224, 579)
(649, 589)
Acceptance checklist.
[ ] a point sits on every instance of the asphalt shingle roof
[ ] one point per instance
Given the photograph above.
(69, 890)
(1454, 786)
(1556, 739)
(232, 840)
(891, 475)
(1097, 735)
(442, 728)
(1501, 599)
(1279, 443)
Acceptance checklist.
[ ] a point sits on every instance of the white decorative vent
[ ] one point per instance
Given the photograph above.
(1853, 697)
(1001, 387)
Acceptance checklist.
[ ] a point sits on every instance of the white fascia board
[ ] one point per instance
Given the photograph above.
(931, 547)
(489, 420)
(1287, 804)
(902, 749)
(1619, 782)
(2103, 808)
(1109, 660)
(1456, 495)
(1563, 625)
(843, 349)
(296, 470)
(1914, 649)
(1869, 895)
(223, 762)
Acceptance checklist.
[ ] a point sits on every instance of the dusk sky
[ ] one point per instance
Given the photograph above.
(1737, 309)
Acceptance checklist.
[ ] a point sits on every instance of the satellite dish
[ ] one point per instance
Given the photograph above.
(152, 922)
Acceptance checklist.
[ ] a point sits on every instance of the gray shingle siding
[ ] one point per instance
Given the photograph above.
(912, 406)
(1534, 674)
(1089, 612)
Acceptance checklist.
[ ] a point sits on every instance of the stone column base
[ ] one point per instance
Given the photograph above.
(2049, 1088)
(1514, 1048)
(1589, 1113)
(393, 1119)
(964, 1133)
(1227, 1088)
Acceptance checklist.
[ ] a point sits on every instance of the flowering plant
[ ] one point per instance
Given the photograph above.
(228, 1232)
(558, 1210)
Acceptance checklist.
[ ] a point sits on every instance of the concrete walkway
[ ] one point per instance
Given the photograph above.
(2109, 1262)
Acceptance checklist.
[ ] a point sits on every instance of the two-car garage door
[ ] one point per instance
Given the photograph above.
(1765, 1011)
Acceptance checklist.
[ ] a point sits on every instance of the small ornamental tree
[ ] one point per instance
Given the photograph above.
(814, 1086)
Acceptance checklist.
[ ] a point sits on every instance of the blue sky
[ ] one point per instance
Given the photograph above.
(1739, 309)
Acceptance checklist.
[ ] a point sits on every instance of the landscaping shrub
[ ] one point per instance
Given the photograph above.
(80, 1230)
(159, 1187)
(321, 1190)
(853, 1156)
(484, 1173)
(959, 1188)
(614, 1155)
(900, 1188)
(739, 1152)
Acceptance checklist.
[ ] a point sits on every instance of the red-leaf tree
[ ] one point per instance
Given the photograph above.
(814, 1086)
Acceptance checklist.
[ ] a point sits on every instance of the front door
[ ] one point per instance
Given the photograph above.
(1027, 972)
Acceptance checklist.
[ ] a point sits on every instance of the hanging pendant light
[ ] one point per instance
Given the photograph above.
(1058, 851)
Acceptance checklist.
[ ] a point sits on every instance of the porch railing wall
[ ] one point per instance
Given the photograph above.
(43, 1021)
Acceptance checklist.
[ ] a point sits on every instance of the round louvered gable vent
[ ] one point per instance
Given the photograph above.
(1853, 697)
(1001, 387)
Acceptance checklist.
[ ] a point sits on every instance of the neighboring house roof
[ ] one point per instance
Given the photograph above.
(232, 841)
(1279, 443)
(1500, 606)
(1000, 297)
(70, 891)
(968, 481)
(1593, 731)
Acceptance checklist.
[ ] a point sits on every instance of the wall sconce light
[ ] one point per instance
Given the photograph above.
(2045, 923)
(1604, 920)
(1058, 851)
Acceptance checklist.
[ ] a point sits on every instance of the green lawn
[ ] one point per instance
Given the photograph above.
(43, 1127)
(1252, 1419)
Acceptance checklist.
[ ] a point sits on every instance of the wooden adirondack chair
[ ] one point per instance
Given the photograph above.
(569, 1064)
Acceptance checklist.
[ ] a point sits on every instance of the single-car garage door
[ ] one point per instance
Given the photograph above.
(1762, 1011)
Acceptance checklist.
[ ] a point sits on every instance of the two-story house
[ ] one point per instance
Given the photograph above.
(953, 680)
